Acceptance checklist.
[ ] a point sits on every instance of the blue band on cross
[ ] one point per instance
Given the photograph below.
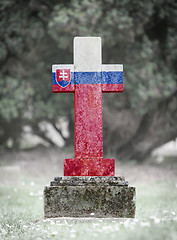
(111, 77)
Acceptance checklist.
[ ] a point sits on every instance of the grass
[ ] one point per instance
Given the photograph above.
(21, 202)
(21, 216)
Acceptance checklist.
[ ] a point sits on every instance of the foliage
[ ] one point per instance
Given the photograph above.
(141, 35)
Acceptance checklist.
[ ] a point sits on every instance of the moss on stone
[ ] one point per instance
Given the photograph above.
(81, 201)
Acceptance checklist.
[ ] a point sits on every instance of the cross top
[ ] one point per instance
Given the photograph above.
(87, 78)
(87, 54)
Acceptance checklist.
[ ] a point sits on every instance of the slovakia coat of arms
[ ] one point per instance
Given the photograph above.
(63, 77)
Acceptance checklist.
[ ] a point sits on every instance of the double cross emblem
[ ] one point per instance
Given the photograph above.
(63, 77)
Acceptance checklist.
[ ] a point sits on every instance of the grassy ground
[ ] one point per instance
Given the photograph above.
(21, 206)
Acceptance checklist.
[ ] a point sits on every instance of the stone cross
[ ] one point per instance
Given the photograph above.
(88, 78)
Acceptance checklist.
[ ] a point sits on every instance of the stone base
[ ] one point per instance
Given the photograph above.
(89, 197)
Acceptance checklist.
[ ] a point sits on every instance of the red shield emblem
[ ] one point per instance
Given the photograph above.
(63, 77)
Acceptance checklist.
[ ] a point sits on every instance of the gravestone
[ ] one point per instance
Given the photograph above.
(89, 187)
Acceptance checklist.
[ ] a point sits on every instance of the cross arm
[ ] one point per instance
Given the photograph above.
(112, 78)
(63, 78)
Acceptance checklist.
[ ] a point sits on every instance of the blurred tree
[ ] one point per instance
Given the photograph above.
(141, 35)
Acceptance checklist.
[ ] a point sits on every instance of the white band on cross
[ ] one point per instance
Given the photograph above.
(87, 54)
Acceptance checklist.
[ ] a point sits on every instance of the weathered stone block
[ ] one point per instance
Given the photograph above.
(89, 197)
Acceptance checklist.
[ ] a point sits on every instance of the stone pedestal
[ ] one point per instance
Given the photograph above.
(89, 197)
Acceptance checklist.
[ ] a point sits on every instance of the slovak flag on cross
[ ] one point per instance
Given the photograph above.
(63, 77)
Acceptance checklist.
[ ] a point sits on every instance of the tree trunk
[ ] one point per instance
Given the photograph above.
(156, 127)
